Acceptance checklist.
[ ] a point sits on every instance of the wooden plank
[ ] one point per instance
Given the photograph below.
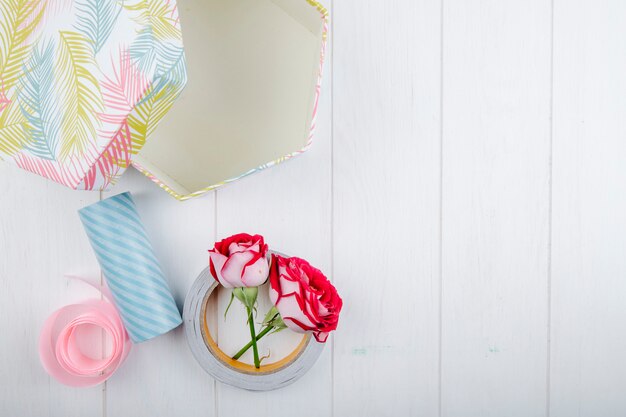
(588, 371)
(386, 206)
(496, 172)
(41, 239)
(290, 205)
(161, 377)
(371, 219)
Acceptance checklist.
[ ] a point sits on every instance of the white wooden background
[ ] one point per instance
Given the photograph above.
(465, 193)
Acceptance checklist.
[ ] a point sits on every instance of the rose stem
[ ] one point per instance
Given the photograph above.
(249, 345)
(257, 362)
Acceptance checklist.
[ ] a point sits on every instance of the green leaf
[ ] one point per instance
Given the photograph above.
(232, 297)
(274, 319)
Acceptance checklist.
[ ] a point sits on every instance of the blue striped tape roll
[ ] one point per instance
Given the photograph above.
(130, 267)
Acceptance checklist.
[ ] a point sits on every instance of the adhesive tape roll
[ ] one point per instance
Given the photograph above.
(219, 365)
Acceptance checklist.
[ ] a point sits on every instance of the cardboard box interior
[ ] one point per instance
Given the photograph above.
(252, 68)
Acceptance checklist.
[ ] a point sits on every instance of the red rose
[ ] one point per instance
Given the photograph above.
(305, 299)
(239, 261)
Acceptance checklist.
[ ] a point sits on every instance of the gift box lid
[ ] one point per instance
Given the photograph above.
(254, 71)
(84, 82)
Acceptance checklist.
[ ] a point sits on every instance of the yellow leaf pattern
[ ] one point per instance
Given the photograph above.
(159, 16)
(82, 98)
(14, 131)
(19, 20)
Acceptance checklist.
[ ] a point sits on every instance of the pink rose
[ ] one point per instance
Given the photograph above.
(305, 299)
(239, 261)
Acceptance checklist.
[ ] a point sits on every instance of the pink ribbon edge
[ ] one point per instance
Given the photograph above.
(59, 350)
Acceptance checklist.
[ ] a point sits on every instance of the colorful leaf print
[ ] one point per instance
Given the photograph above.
(159, 40)
(4, 100)
(82, 99)
(38, 103)
(96, 20)
(143, 49)
(157, 44)
(171, 70)
(14, 135)
(146, 116)
(45, 168)
(68, 97)
(162, 16)
(18, 20)
(121, 92)
(113, 160)
(126, 87)
(171, 63)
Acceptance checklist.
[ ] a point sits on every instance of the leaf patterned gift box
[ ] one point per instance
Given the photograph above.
(83, 83)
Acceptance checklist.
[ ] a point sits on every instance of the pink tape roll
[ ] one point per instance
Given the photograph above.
(59, 349)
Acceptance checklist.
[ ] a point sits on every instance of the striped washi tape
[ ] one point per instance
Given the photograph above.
(238, 374)
(131, 270)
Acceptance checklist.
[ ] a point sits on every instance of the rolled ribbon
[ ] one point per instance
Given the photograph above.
(59, 346)
(130, 267)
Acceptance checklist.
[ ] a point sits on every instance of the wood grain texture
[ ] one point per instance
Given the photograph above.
(496, 172)
(588, 370)
(386, 206)
(41, 239)
(436, 175)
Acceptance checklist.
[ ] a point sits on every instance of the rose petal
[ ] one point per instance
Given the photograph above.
(322, 310)
(321, 336)
(255, 274)
(289, 308)
(218, 262)
(305, 298)
(297, 326)
(288, 284)
(274, 279)
(273, 295)
(238, 247)
(233, 268)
